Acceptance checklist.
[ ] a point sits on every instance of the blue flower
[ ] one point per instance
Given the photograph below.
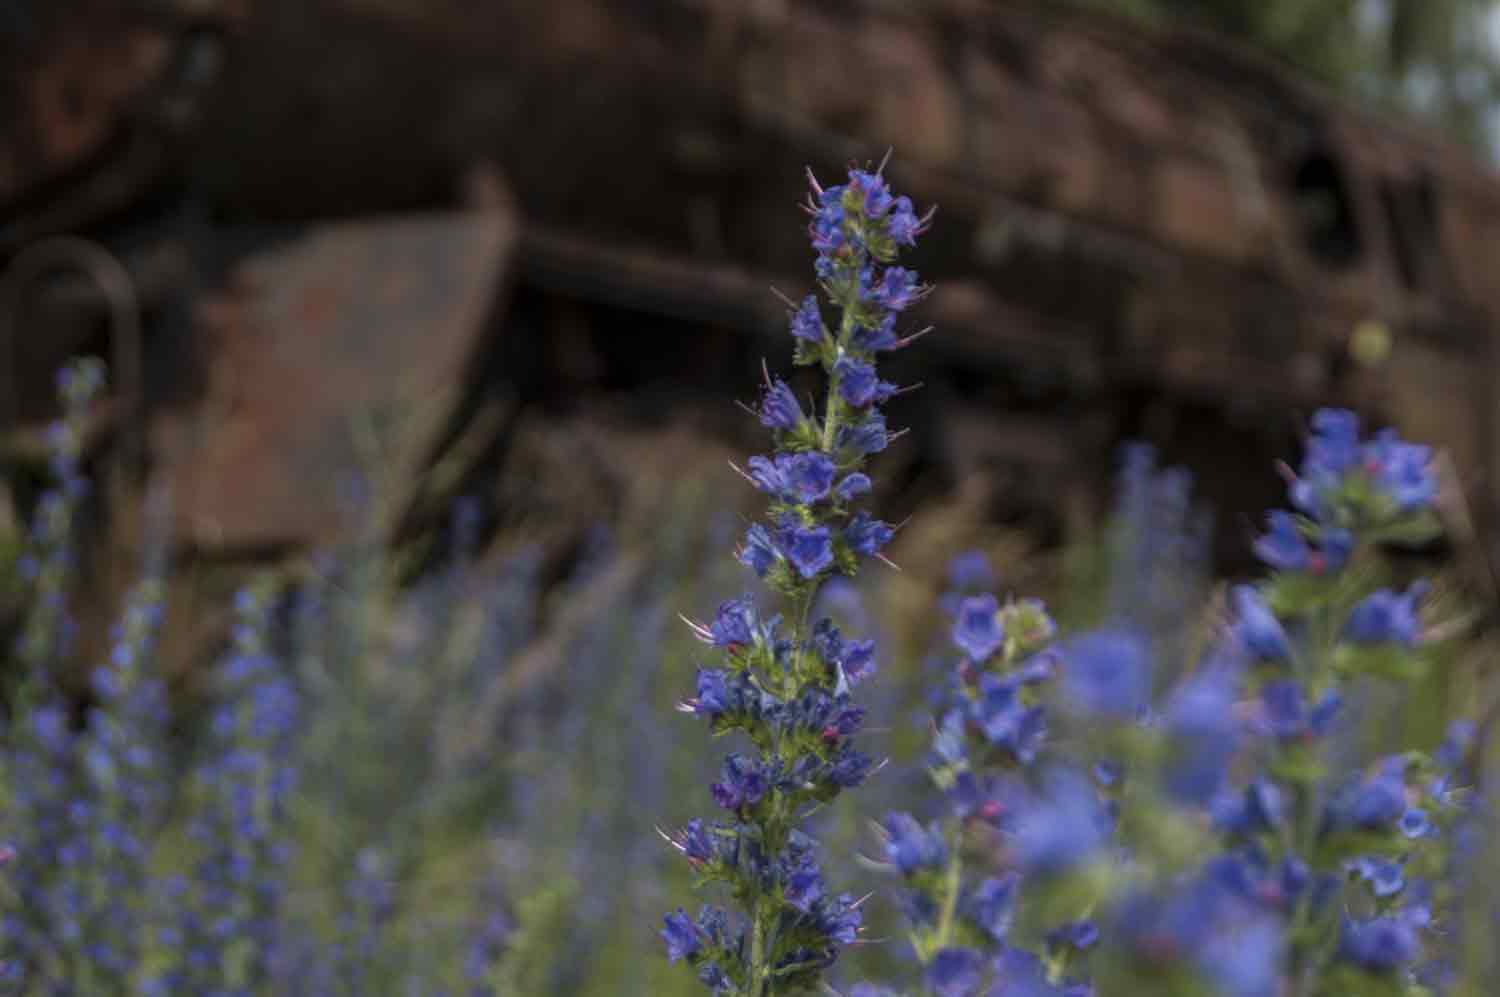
(1258, 808)
(1386, 878)
(865, 437)
(712, 975)
(854, 660)
(1203, 703)
(849, 768)
(804, 887)
(757, 552)
(896, 289)
(903, 225)
(779, 408)
(1285, 714)
(1245, 960)
(827, 228)
(992, 904)
(681, 936)
(840, 919)
(1282, 546)
(1380, 945)
(50, 725)
(867, 536)
(768, 474)
(1200, 716)
(1335, 544)
(1107, 672)
(1403, 470)
(742, 783)
(1008, 722)
(1456, 741)
(807, 323)
(713, 692)
(910, 847)
(1061, 829)
(1378, 801)
(877, 338)
(869, 192)
(733, 623)
(858, 661)
(853, 486)
(1333, 449)
(697, 842)
(955, 973)
(859, 385)
(1257, 627)
(808, 476)
(978, 630)
(948, 741)
(1385, 616)
(808, 548)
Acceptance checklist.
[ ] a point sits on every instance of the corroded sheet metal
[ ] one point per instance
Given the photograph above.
(93, 94)
(337, 358)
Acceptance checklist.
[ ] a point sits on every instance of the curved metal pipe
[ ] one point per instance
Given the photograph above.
(93, 260)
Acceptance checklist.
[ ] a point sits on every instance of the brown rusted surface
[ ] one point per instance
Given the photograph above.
(1124, 215)
(93, 95)
(337, 356)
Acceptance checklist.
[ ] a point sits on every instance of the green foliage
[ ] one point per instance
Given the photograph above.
(1430, 57)
(529, 959)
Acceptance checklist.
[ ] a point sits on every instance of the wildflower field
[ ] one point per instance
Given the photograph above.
(695, 754)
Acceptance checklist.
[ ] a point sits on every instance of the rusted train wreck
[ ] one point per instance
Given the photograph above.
(272, 214)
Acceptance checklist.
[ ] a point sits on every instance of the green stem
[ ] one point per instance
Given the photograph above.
(942, 938)
(774, 826)
(758, 969)
(952, 881)
(833, 409)
(1310, 960)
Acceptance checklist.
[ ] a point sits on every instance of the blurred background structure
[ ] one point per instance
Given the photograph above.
(285, 213)
(351, 261)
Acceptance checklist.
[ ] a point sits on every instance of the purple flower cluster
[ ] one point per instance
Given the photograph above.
(1348, 489)
(858, 229)
(785, 683)
(227, 916)
(963, 873)
(1220, 845)
(1309, 878)
(50, 560)
(86, 799)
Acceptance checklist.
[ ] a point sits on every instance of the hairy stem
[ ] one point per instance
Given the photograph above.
(952, 881)
(759, 971)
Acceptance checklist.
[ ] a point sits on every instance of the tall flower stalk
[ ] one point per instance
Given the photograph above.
(999, 823)
(785, 680)
(1263, 860)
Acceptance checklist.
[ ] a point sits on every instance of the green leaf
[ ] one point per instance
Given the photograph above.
(1410, 531)
(1391, 661)
(1295, 594)
(1298, 764)
(1345, 981)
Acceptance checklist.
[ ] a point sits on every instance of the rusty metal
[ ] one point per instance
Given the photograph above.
(113, 282)
(96, 99)
(1125, 215)
(338, 355)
